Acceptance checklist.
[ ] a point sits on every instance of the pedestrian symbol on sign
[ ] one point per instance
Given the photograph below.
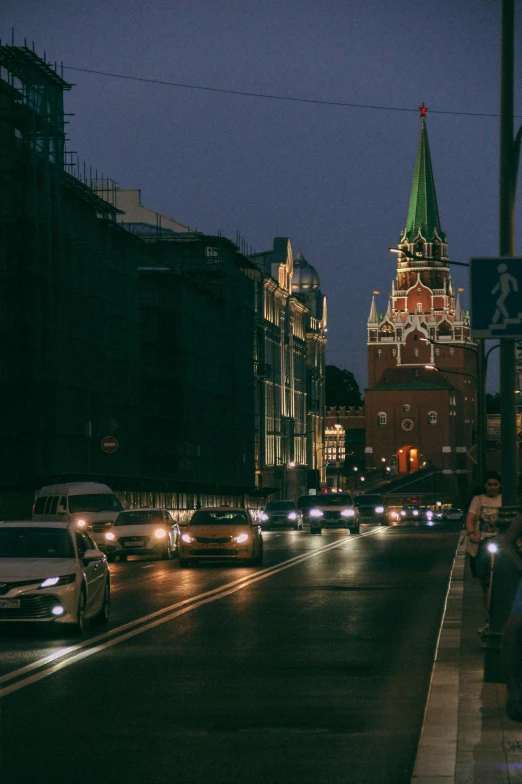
(506, 281)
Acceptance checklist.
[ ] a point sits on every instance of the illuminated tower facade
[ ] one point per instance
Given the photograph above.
(418, 415)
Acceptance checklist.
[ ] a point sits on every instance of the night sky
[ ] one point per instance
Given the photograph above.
(335, 179)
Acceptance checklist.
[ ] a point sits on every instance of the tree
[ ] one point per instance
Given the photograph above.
(341, 388)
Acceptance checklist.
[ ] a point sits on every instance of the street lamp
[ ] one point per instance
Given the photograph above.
(420, 257)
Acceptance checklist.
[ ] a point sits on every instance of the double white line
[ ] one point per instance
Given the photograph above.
(64, 657)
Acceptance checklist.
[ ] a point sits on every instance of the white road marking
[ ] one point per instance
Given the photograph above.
(76, 653)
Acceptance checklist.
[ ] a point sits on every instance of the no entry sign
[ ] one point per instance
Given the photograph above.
(109, 444)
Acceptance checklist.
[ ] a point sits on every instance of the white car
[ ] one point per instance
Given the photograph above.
(144, 531)
(52, 573)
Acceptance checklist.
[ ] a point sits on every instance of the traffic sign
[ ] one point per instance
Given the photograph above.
(496, 297)
(109, 444)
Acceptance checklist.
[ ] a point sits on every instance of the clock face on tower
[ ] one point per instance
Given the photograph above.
(407, 424)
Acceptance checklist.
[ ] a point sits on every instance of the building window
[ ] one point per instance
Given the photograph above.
(419, 307)
(416, 352)
(381, 418)
(432, 418)
(452, 352)
(437, 352)
(379, 352)
(394, 352)
(406, 407)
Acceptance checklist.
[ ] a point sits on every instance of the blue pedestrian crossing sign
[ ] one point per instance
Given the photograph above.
(496, 297)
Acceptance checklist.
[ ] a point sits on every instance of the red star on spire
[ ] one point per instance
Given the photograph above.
(423, 109)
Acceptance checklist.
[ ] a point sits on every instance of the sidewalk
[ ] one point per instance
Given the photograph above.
(467, 737)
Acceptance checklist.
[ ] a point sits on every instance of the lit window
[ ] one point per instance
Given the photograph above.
(394, 352)
(379, 352)
(419, 307)
(452, 352)
(406, 407)
(437, 352)
(416, 352)
(432, 418)
(381, 418)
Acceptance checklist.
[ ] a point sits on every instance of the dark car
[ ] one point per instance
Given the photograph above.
(305, 502)
(280, 514)
(333, 510)
(372, 508)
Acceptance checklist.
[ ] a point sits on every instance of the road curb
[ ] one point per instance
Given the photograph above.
(436, 758)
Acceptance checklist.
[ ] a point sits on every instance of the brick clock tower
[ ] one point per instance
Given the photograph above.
(417, 415)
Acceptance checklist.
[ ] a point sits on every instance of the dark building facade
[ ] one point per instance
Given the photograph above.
(415, 415)
(68, 315)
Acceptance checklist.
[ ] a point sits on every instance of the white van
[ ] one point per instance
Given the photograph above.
(89, 504)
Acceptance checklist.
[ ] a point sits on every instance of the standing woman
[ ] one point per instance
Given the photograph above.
(481, 525)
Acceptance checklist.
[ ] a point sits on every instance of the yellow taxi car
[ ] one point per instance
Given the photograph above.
(221, 532)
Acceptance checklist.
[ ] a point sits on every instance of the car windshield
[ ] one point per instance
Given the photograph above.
(94, 502)
(35, 543)
(220, 517)
(280, 506)
(306, 500)
(139, 518)
(334, 500)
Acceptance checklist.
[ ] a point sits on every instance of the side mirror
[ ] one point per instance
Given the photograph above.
(92, 555)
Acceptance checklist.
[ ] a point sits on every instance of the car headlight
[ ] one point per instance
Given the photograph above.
(403, 513)
(241, 538)
(81, 523)
(292, 516)
(50, 582)
(348, 513)
(379, 509)
(491, 547)
(315, 513)
(263, 516)
(160, 533)
(429, 514)
(110, 536)
(187, 538)
(415, 512)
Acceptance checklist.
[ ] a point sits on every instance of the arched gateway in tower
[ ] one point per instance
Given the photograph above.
(415, 415)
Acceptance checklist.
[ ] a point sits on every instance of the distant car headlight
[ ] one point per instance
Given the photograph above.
(491, 547)
(292, 516)
(429, 514)
(315, 513)
(160, 533)
(81, 523)
(348, 513)
(263, 516)
(110, 536)
(241, 538)
(379, 509)
(403, 513)
(415, 512)
(187, 538)
(52, 581)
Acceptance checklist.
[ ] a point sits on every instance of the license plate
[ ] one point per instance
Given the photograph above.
(9, 604)
(140, 543)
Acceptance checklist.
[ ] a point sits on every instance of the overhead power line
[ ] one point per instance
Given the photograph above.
(271, 96)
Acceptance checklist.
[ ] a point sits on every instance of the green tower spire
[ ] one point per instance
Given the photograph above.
(423, 212)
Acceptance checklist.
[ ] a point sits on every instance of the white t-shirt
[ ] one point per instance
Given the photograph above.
(486, 509)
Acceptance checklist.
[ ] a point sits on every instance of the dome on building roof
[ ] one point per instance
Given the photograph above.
(305, 277)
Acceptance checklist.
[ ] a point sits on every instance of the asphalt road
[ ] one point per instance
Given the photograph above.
(311, 668)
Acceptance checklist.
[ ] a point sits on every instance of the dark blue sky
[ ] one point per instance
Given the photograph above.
(334, 179)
